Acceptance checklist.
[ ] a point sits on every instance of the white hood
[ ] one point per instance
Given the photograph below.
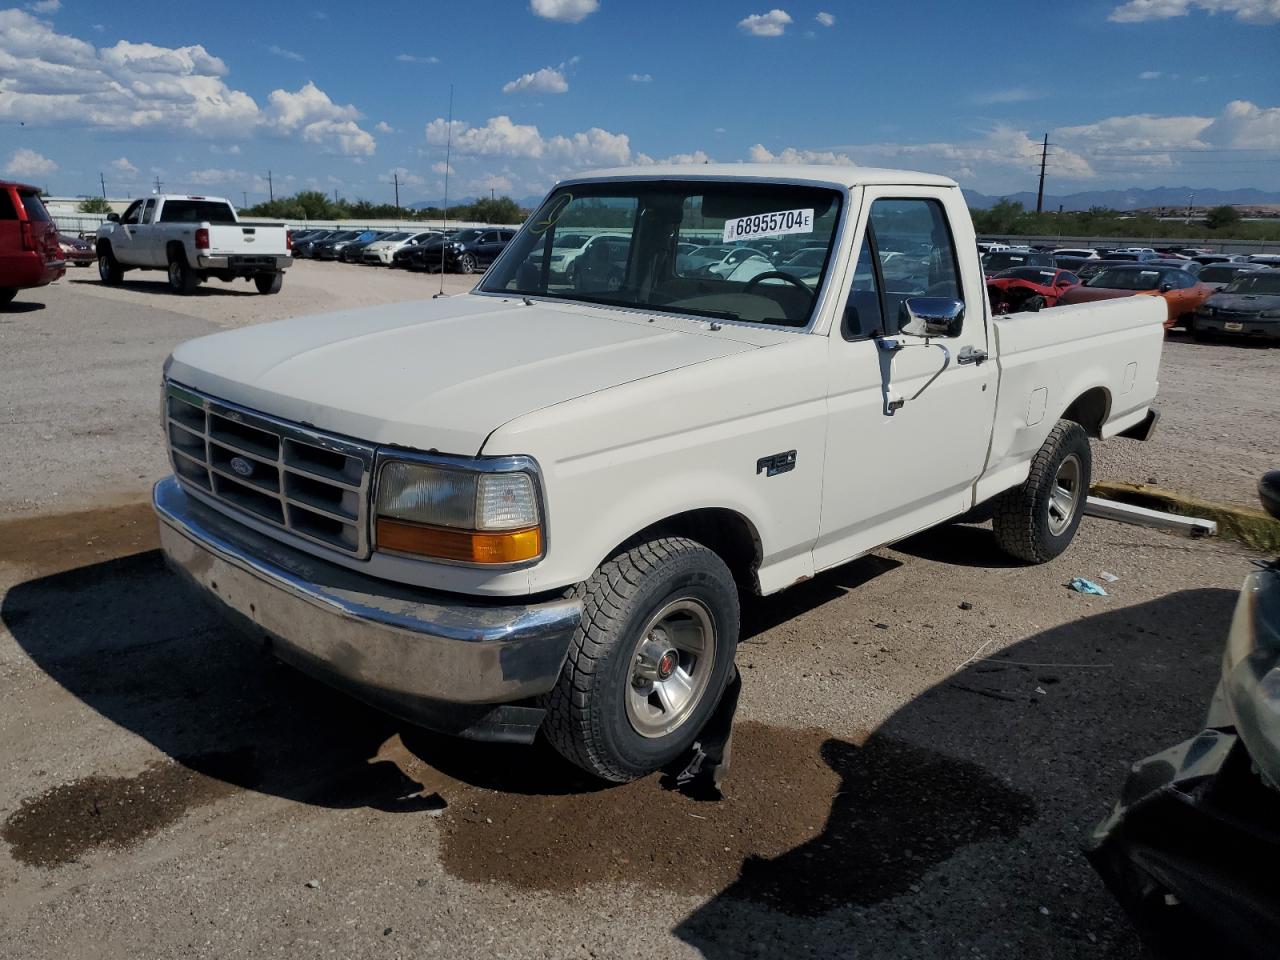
(440, 374)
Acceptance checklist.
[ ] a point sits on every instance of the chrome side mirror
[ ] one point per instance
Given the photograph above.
(931, 317)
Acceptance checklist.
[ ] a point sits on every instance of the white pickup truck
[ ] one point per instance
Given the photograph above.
(533, 506)
(193, 239)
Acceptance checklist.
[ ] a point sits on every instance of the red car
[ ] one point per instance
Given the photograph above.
(29, 254)
(1028, 288)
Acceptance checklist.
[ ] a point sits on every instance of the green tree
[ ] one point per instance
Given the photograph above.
(1224, 216)
(94, 205)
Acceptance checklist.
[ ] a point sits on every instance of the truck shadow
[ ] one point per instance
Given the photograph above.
(1026, 749)
(212, 288)
(21, 306)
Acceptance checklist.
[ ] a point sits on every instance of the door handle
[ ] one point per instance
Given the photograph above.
(971, 355)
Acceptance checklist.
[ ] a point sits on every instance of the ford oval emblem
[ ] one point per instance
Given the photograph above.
(241, 466)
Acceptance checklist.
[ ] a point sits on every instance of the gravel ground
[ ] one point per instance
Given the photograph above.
(912, 779)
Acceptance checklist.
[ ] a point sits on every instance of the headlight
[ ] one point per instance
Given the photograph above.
(457, 514)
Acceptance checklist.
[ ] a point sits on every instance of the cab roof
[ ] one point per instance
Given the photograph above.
(827, 174)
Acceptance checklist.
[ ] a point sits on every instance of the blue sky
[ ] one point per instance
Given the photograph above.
(1140, 93)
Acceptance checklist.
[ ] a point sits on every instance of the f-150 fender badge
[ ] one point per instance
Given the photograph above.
(776, 463)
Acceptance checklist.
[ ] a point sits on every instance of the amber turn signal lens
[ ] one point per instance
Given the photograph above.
(440, 543)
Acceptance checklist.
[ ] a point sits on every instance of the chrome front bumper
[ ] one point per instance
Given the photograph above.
(444, 662)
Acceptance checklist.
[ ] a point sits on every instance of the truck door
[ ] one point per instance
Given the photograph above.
(145, 235)
(908, 429)
(124, 241)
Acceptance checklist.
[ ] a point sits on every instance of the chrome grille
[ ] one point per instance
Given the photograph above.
(312, 484)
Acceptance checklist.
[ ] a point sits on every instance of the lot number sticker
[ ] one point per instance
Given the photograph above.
(768, 225)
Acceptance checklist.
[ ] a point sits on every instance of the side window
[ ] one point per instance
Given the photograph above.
(131, 215)
(862, 317)
(917, 253)
(490, 237)
(1186, 279)
(1065, 277)
(7, 210)
(148, 211)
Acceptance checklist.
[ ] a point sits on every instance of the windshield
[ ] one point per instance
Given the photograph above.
(572, 240)
(1126, 279)
(1258, 283)
(1218, 274)
(639, 266)
(36, 212)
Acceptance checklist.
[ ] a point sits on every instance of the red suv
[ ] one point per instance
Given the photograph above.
(29, 254)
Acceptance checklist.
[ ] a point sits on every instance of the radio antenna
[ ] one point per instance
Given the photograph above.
(448, 150)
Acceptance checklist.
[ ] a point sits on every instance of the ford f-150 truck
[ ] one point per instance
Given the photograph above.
(533, 507)
(192, 239)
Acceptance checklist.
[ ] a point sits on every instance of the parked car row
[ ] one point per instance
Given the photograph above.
(466, 250)
(1238, 297)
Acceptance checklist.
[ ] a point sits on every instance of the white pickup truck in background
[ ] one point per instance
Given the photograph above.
(533, 506)
(193, 239)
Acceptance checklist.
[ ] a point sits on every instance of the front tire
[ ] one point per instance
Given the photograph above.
(648, 663)
(1038, 520)
(467, 263)
(7, 294)
(182, 279)
(109, 270)
(1033, 304)
(269, 283)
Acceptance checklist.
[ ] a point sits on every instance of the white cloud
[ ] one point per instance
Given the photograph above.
(233, 150)
(642, 78)
(761, 154)
(122, 165)
(546, 80)
(28, 163)
(310, 113)
(720, 130)
(566, 11)
(383, 127)
(287, 54)
(771, 24)
(826, 19)
(47, 6)
(495, 182)
(499, 136)
(1150, 75)
(52, 79)
(442, 168)
(413, 58)
(1250, 11)
(1245, 126)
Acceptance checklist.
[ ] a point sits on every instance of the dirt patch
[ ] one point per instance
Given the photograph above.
(67, 821)
(809, 822)
(52, 543)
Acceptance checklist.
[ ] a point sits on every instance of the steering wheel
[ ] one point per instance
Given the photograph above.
(778, 275)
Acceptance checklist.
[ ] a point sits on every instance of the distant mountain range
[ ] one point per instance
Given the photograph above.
(1129, 199)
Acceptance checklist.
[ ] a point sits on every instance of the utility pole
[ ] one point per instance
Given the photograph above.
(103, 180)
(491, 197)
(1044, 157)
(1191, 202)
(159, 185)
(395, 177)
(244, 195)
(271, 192)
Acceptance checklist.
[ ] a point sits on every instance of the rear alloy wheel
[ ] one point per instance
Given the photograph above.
(108, 268)
(467, 263)
(1038, 520)
(269, 282)
(182, 279)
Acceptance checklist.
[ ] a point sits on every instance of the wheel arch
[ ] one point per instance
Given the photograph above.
(728, 533)
(172, 247)
(1090, 409)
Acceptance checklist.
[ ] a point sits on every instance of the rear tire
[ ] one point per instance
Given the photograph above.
(1036, 521)
(109, 270)
(269, 283)
(182, 279)
(612, 712)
